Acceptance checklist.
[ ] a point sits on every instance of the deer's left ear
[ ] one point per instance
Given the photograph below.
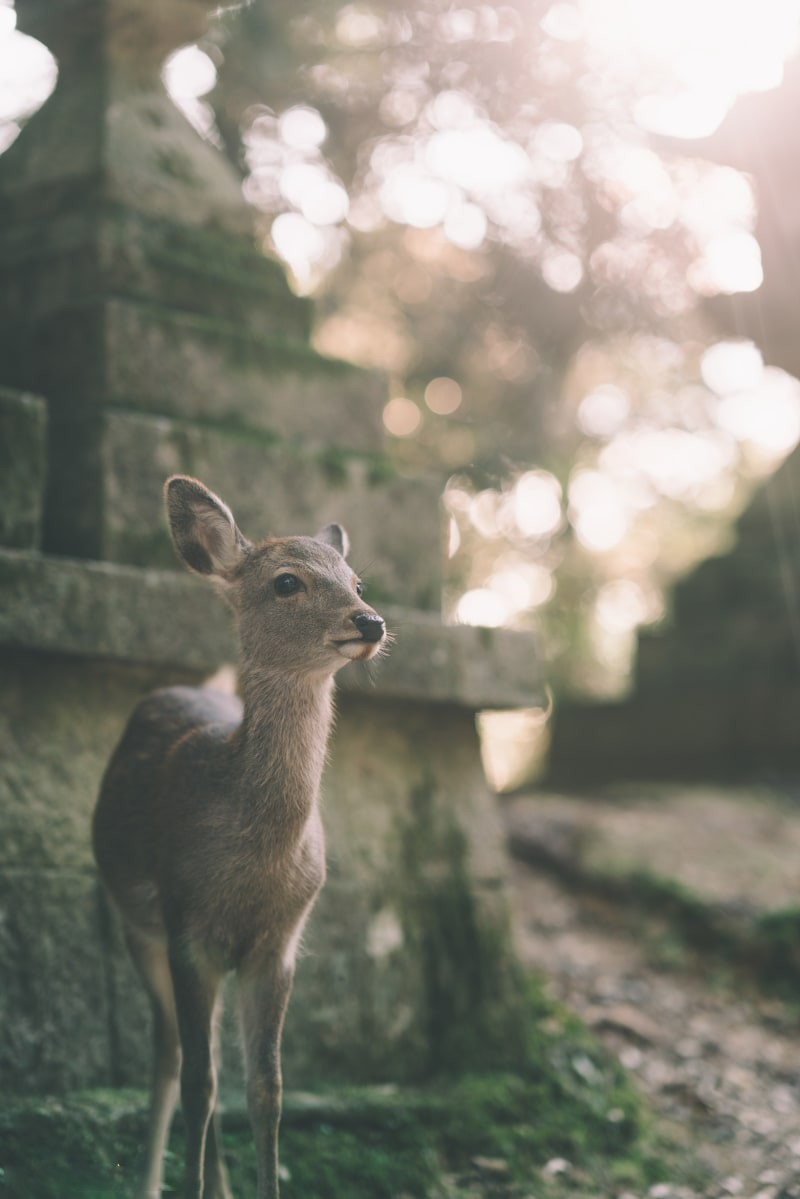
(334, 536)
(203, 529)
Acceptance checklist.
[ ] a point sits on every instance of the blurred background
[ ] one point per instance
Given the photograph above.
(539, 219)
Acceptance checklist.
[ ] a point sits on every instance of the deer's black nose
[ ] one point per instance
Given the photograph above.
(370, 627)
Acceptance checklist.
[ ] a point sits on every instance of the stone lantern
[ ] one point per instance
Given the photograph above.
(141, 333)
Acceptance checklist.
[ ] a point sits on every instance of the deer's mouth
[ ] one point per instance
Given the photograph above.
(358, 649)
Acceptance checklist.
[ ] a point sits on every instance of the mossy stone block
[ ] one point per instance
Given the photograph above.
(51, 261)
(170, 621)
(23, 420)
(143, 356)
(59, 720)
(407, 968)
(273, 487)
(54, 1012)
(179, 364)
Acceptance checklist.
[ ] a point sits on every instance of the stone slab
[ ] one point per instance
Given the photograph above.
(170, 620)
(273, 487)
(732, 651)
(133, 144)
(141, 355)
(23, 421)
(175, 363)
(725, 728)
(75, 255)
(99, 610)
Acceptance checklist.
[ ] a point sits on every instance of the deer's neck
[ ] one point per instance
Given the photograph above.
(281, 746)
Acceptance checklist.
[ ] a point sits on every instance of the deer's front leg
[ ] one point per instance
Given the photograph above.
(151, 959)
(195, 1000)
(264, 986)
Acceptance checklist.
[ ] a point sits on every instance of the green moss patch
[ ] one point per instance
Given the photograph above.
(479, 1135)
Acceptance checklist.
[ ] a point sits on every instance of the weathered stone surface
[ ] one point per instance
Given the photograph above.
(54, 1033)
(184, 365)
(59, 720)
(50, 266)
(235, 394)
(474, 668)
(406, 968)
(170, 620)
(275, 488)
(102, 611)
(134, 145)
(22, 468)
(143, 356)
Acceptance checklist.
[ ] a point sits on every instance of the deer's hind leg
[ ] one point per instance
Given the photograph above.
(152, 963)
(196, 997)
(215, 1176)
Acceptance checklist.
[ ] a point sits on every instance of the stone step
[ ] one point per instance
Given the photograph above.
(78, 255)
(168, 620)
(142, 356)
(750, 580)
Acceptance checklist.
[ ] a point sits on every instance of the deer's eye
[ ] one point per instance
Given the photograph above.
(287, 584)
(359, 587)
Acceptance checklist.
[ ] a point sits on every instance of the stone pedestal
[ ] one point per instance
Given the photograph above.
(407, 967)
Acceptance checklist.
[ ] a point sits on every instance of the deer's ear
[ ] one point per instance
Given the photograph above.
(202, 527)
(335, 536)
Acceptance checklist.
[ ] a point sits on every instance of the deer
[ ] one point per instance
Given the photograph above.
(207, 831)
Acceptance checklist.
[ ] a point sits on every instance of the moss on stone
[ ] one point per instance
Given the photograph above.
(366, 1143)
(473, 999)
(22, 467)
(240, 346)
(206, 251)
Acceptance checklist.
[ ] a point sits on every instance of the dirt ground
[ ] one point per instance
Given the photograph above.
(719, 1062)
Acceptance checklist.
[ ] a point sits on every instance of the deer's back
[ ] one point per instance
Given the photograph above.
(139, 804)
(180, 839)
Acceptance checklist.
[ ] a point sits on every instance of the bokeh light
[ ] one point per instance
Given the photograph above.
(443, 396)
(402, 417)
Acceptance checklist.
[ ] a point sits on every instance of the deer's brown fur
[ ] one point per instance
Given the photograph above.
(207, 831)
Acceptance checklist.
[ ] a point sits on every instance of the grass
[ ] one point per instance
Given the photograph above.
(567, 1099)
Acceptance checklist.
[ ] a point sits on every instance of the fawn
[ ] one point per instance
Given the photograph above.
(207, 831)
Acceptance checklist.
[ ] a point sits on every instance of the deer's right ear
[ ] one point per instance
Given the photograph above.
(203, 529)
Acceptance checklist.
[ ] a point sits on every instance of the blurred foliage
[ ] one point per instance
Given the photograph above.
(470, 200)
